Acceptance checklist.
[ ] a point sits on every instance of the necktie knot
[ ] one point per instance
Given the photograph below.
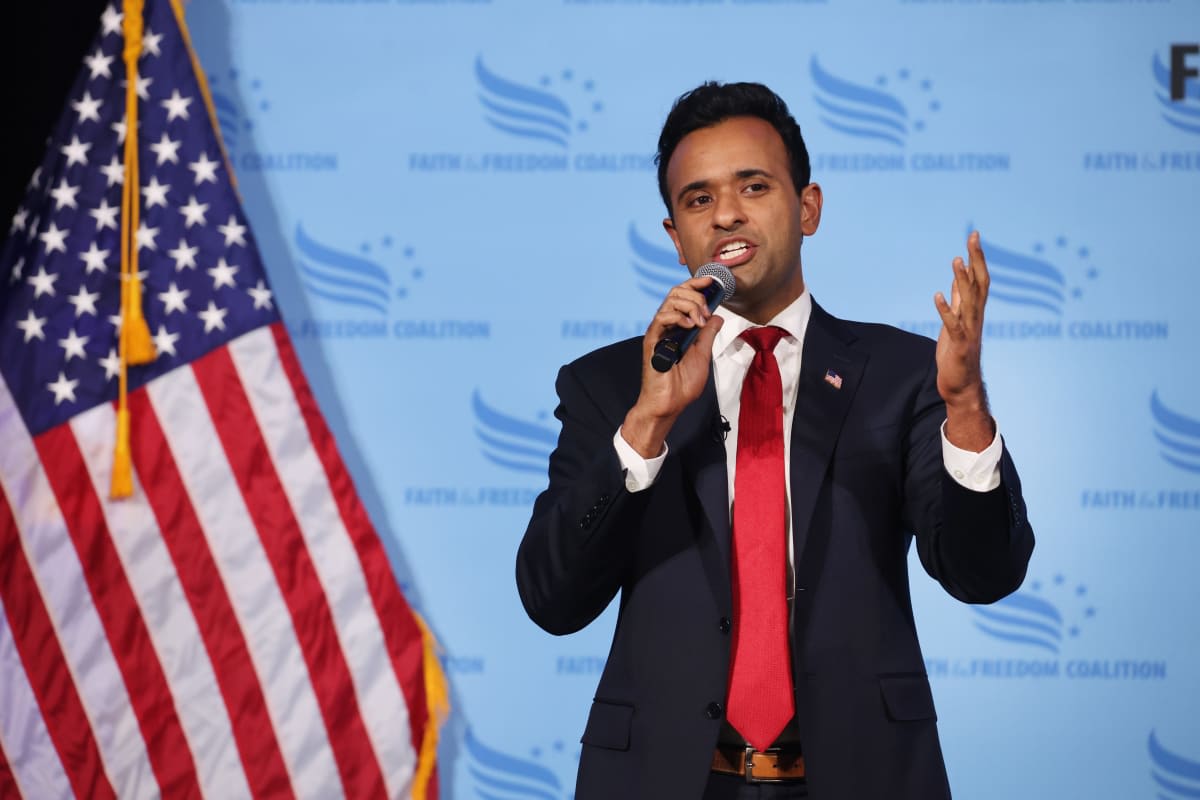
(763, 339)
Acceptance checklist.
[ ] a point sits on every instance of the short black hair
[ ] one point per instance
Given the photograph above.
(712, 102)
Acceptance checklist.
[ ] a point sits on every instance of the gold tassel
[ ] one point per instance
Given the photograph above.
(140, 344)
(437, 702)
(122, 474)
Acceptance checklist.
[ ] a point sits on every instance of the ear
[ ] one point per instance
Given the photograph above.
(669, 227)
(810, 208)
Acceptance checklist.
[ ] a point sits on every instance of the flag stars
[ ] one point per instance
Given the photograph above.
(111, 364)
(112, 20)
(193, 212)
(155, 193)
(16, 271)
(185, 257)
(99, 64)
(120, 126)
(94, 258)
(87, 108)
(73, 346)
(205, 169)
(150, 42)
(42, 283)
(145, 236)
(176, 105)
(76, 151)
(54, 239)
(234, 233)
(32, 326)
(114, 171)
(222, 274)
(63, 389)
(105, 216)
(166, 150)
(173, 299)
(84, 301)
(64, 195)
(19, 220)
(214, 318)
(143, 86)
(164, 340)
(261, 295)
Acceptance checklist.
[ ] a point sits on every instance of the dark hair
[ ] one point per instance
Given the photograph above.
(713, 102)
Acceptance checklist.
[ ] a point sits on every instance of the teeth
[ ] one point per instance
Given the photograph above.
(732, 249)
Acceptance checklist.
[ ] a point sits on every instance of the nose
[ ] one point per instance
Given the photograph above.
(728, 213)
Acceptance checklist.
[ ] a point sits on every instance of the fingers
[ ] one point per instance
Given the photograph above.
(684, 306)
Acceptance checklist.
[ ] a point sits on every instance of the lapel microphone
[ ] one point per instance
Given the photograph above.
(676, 340)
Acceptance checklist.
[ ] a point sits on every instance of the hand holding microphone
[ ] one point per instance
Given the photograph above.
(676, 340)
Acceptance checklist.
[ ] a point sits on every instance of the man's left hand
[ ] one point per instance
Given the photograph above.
(960, 377)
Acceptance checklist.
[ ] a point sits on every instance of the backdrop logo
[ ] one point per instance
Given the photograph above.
(496, 775)
(1034, 634)
(1178, 438)
(511, 442)
(1027, 618)
(540, 118)
(1178, 85)
(656, 268)
(1177, 776)
(232, 98)
(1037, 292)
(886, 112)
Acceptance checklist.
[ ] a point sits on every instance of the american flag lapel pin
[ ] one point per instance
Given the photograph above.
(833, 379)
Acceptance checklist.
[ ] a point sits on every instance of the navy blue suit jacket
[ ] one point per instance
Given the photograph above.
(867, 478)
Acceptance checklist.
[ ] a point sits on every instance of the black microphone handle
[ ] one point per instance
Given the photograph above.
(677, 340)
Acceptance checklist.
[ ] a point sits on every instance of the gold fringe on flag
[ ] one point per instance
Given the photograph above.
(135, 344)
(437, 702)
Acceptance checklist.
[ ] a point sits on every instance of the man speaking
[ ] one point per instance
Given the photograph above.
(753, 504)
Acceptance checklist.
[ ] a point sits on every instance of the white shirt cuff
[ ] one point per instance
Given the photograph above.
(979, 472)
(640, 473)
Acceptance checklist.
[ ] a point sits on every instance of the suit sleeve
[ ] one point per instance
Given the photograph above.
(976, 544)
(577, 548)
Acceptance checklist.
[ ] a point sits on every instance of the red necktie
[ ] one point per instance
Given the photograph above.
(761, 699)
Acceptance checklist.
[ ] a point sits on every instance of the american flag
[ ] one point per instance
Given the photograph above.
(233, 629)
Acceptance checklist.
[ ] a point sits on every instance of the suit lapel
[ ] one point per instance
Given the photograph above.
(830, 372)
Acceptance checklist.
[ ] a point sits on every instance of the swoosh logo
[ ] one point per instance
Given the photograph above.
(341, 277)
(657, 268)
(499, 776)
(1178, 435)
(1182, 114)
(511, 442)
(1023, 280)
(520, 110)
(1177, 776)
(1023, 619)
(856, 110)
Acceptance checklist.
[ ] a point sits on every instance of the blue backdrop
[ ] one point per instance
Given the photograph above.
(455, 198)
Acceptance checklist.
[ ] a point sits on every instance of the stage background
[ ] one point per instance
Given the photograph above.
(455, 198)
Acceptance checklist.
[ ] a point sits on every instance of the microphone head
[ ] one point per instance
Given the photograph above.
(721, 274)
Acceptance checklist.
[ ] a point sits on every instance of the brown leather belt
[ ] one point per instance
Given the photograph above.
(758, 766)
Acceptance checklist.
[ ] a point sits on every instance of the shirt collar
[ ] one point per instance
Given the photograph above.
(793, 319)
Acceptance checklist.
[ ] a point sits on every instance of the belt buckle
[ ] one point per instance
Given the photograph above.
(749, 762)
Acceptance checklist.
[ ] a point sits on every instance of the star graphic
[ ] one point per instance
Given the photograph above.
(54, 239)
(166, 150)
(112, 20)
(185, 257)
(143, 87)
(64, 195)
(106, 215)
(76, 151)
(150, 41)
(115, 321)
(120, 127)
(173, 299)
(193, 212)
(155, 192)
(164, 341)
(234, 233)
(261, 295)
(115, 172)
(63, 389)
(32, 326)
(16, 270)
(111, 364)
(222, 274)
(19, 220)
(99, 63)
(214, 318)
(42, 283)
(94, 258)
(87, 108)
(205, 170)
(145, 236)
(73, 345)
(176, 105)
(84, 301)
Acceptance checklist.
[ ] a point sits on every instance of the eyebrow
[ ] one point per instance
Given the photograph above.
(741, 174)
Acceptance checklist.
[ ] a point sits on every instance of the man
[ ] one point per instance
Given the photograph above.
(754, 504)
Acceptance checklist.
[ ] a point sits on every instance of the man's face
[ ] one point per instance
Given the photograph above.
(734, 203)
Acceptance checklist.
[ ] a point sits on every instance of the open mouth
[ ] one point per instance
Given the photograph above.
(734, 252)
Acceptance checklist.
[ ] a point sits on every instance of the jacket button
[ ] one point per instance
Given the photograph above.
(725, 624)
(603, 499)
(713, 711)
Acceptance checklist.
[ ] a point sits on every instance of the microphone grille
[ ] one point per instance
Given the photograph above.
(722, 275)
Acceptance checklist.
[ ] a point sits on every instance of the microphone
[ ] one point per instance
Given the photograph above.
(676, 340)
(720, 428)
